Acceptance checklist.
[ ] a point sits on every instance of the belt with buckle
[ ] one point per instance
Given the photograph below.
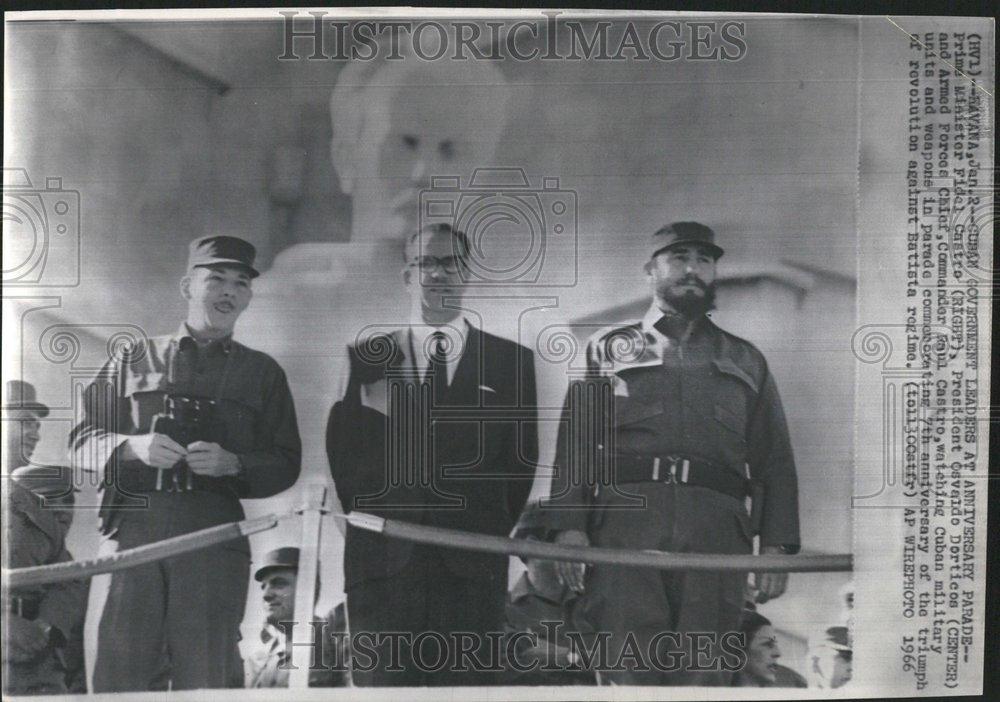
(679, 470)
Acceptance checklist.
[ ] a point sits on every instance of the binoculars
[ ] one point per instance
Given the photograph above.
(186, 419)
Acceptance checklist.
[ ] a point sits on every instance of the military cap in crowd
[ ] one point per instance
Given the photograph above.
(287, 557)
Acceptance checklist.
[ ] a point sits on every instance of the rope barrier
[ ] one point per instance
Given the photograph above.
(663, 560)
(436, 536)
(141, 555)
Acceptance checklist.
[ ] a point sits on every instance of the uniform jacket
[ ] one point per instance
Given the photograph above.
(268, 665)
(709, 397)
(464, 459)
(32, 537)
(256, 413)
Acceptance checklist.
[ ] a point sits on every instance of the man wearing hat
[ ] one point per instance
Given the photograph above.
(22, 415)
(181, 429)
(692, 426)
(42, 646)
(830, 658)
(268, 665)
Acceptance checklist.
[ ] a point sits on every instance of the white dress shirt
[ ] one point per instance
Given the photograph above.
(456, 334)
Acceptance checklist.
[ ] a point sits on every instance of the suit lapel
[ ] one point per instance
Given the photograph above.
(464, 388)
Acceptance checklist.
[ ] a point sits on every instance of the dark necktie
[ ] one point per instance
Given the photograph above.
(438, 368)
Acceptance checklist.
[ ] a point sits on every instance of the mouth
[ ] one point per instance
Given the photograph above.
(225, 307)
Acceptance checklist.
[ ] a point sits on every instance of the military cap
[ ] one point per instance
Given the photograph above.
(47, 481)
(287, 557)
(222, 250)
(20, 395)
(835, 637)
(679, 233)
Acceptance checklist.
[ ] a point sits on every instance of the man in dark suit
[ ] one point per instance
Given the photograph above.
(436, 424)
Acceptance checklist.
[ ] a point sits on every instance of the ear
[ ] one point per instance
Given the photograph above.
(186, 287)
(342, 153)
(407, 273)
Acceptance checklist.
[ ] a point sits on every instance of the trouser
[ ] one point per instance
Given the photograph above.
(665, 617)
(175, 622)
(427, 606)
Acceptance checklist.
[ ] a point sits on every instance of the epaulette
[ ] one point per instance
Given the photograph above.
(616, 344)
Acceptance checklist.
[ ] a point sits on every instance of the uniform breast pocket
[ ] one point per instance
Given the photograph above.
(241, 425)
(733, 393)
(630, 410)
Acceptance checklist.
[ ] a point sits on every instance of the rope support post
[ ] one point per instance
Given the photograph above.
(312, 509)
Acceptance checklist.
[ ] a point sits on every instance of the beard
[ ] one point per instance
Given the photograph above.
(688, 303)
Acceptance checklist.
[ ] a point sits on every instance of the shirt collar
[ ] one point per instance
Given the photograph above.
(457, 333)
(653, 315)
(225, 344)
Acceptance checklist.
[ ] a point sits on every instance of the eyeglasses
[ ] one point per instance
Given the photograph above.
(426, 264)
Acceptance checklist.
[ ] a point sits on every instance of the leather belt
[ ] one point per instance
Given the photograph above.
(679, 470)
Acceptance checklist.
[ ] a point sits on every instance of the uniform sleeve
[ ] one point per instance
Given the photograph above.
(523, 452)
(275, 467)
(342, 428)
(773, 465)
(571, 492)
(103, 423)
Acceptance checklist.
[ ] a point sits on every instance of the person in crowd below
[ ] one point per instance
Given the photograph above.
(536, 598)
(180, 429)
(675, 424)
(435, 424)
(762, 668)
(268, 665)
(829, 659)
(43, 626)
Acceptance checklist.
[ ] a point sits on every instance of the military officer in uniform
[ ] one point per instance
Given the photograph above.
(181, 430)
(268, 665)
(43, 627)
(692, 425)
